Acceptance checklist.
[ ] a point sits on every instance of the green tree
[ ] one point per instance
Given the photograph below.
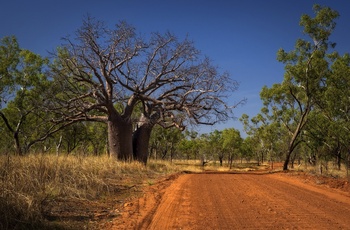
(247, 148)
(166, 142)
(23, 83)
(335, 107)
(307, 68)
(9, 52)
(215, 145)
(189, 145)
(232, 142)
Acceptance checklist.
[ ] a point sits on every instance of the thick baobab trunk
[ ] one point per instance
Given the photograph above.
(119, 137)
(141, 137)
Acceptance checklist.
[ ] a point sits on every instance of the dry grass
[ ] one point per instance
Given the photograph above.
(73, 192)
(326, 169)
(196, 166)
(32, 187)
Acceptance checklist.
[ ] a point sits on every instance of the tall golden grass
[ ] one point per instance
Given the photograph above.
(28, 184)
(31, 185)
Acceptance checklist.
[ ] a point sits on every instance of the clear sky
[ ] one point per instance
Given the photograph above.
(240, 36)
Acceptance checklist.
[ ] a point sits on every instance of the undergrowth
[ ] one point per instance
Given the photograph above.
(29, 185)
(37, 190)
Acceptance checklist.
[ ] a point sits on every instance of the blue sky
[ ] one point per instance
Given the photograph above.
(241, 37)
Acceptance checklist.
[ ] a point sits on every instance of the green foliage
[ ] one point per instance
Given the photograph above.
(22, 85)
(306, 71)
(231, 139)
(9, 59)
(306, 115)
(164, 143)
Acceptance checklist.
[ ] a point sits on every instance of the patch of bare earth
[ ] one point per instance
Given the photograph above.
(250, 200)
(138, 210)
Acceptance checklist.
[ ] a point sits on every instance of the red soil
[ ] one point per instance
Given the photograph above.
(256, 200)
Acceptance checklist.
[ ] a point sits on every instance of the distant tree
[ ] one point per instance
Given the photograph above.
(232, 142)
(188, 145)
(215, 145)
(247, 148)
(106, 73)
(165, 142)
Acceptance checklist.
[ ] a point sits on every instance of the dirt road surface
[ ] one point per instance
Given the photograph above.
(242, 201)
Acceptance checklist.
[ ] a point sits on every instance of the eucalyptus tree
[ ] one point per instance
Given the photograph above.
(265, 133)
(231, 143)
(335, 107)
(247, 148)
(22, 85)
(166, 142)
(215, 144)
(189, 145)
(173, 83)
(317, 136)
(251, 127)
(306, 69)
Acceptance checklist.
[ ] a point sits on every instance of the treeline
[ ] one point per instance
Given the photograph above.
(110, 91)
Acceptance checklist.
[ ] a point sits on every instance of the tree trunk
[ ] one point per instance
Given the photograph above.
(230, 160)
(58, 146)
(293, 142)
(338, 159)
(286, 161)
(142, 135)
(119, 137)
(17, 144)
(347, 162)
(140, 142)
(220, 159)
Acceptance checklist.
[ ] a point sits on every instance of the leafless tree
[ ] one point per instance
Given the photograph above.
(104, 74)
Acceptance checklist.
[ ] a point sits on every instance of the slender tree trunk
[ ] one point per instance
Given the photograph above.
(347, 166)
(220, 159)
(297, 131)
(119, 137)
(338, 159)
(230, 160)
(286, 161)
(58, 146)
(291, 147)
(17, 144)
(15, 132)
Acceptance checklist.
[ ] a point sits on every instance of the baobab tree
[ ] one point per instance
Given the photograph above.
(104, 74)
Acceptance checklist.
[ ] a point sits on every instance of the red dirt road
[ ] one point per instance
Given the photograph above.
(245, 201)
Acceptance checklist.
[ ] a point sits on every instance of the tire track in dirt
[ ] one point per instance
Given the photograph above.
(248, 201)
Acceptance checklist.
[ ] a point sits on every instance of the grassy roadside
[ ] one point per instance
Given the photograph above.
(77, 192)
(68, 192)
